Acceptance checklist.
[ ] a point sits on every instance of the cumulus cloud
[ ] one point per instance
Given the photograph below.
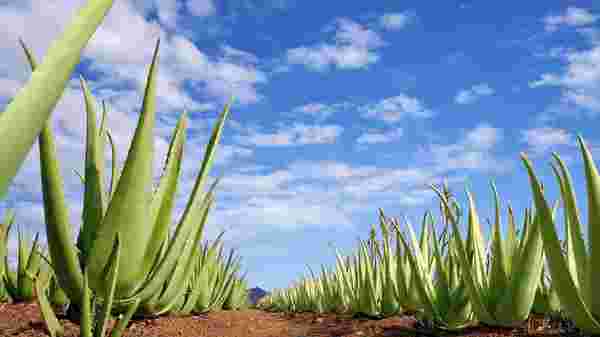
(541, 140)
(354, 46)
(377, 136)
(320, 110)
(573, 16)
(475, 151)
(297, 134)
(393, 109)
(471, 95)
(579, 80)
(201, 7)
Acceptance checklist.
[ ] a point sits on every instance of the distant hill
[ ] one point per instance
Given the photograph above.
(255, 294)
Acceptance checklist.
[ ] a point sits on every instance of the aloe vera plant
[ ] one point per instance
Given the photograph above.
(442, 288)
(574, 273)
(27, 113)
(126, 207)
(546, 299)
(502, 296)
(4, 230)
(19, 284)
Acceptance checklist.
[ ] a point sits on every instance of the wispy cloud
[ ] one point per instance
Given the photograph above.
(297, 134)
(475, 151)
(541, 140)
(573, 16)
(354, 46)
(471, 95)
(377, 136)
(201, 7)
(579, 79)
(321, 111)
(393, 109)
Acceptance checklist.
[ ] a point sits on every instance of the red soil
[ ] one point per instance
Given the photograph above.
(20, 320)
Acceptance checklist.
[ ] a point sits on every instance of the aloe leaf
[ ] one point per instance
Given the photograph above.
(164, 198)
(58, 231)
(93, 196)
(127, 212)
(52, 324)
(32, 267)
(572, 211)
(575, 255)
(570, 299)
(416, 263)
(114, 177)
(87, 315)
(108, 293)
(498, 276)
(473, 286)
(593, 197)
(191, 212)
(184, 269)
(26, 115)
(527, 273)
(122, 322)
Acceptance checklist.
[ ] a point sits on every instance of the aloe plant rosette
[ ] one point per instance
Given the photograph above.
(128, 208)
(574, 273)
(504, 294)
(444, 298)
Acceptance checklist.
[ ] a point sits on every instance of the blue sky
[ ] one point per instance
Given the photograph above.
(341, 108)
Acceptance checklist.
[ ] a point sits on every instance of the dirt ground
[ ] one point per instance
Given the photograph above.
(20, 320)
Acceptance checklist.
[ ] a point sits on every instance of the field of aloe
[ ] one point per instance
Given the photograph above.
(126, 265)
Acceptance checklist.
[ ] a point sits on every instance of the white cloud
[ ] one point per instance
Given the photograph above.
(471, 95)
(393, 109)
(376, 136)
(396, 21)
(201, 7)
(473, 151)
(573, 16)
(579, 81)
(541, 140)
(483, 136)
(320, 110)
(354, 47)
(297, 134)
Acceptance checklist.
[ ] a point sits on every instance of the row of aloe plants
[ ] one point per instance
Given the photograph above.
(124, 261)
(455, 282)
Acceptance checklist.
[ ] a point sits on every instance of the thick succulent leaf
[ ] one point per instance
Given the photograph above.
(58, 231)
(114, 176)
(27, 113)
(571, 299)
(511, 241)
(593, 204)
(164, 198)
(193, 211)
(473, 286)
(127, 212)
(526, 275)
(86, 319)
(574, 219)
(108, 293)
(498, 279)
(50, 320)
(183, 270)
(93, 195)
(475, 244)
